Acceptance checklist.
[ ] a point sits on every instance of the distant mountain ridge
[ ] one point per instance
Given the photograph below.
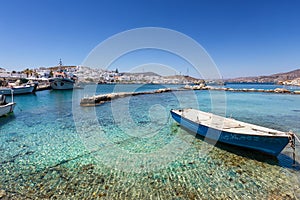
(274, 78)
(289, 75)
(141, 73)
(181, 77)
(184, 77)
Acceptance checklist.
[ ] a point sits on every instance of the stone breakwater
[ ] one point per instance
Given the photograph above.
(100, 99)
(277, 90)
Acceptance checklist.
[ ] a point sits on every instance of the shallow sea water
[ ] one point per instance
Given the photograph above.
(130, 148)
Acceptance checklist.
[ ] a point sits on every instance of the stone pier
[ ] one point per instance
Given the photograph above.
(100, 99)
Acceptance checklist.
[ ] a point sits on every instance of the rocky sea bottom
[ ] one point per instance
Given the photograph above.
(67, 172)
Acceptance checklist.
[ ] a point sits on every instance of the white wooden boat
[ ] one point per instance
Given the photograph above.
(23, 89)
(5, 107)
(233, 132)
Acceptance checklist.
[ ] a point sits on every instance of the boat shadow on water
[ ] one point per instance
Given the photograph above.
(6, 118)
(281, 160)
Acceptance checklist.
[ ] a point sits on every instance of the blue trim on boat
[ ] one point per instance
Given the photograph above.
(271, 145)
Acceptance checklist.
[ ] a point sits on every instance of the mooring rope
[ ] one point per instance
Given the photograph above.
(293, 137)
(296, 137)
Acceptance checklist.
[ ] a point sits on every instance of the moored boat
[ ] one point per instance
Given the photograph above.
(61, 83)
(22, 89)
(62, 80)
(233, 132)
(5, 107)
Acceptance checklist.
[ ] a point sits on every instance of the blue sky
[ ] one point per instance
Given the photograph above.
(243, 38)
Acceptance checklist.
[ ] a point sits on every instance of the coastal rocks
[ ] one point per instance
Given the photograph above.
(277, 90)
(195, 87)
(188, 87)
(281, 90)
(297, 92)
(203, 87)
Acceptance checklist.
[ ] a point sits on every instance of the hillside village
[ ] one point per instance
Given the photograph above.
(91, 75)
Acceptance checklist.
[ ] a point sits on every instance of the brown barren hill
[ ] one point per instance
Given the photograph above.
(274, 78)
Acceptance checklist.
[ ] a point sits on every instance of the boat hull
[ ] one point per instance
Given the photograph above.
(271, 145)
(62, 84)
(18, 90)
(5, 109)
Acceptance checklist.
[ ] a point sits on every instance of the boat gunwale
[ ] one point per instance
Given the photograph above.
(8, 104)
(58, 79)
(280, 133)
(9, 108)
(17, 90)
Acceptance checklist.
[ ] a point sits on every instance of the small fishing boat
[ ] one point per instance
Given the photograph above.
(233, 132)
(5, 107)
(22, 89)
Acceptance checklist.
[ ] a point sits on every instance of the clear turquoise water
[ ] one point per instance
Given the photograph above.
(130, 148)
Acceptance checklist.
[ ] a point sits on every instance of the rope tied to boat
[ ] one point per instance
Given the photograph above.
(293, 137)
(296, 137)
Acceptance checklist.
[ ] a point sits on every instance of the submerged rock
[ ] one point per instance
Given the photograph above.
(2, 193)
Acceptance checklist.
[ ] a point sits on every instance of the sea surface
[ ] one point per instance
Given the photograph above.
(130, 148)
